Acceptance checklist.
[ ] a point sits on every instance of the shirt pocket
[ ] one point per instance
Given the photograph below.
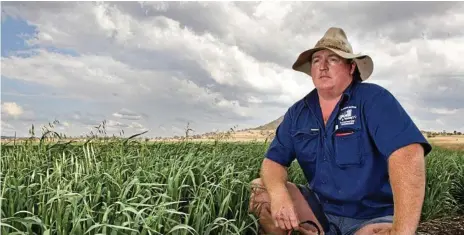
(305, 144)
(347, 142)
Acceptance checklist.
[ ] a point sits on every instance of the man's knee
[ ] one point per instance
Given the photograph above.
(257, 187)
(258, 196)
(258, 182)
(374, 228)
(375, 225)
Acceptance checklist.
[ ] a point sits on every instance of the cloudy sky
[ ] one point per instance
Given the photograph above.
(157, 66)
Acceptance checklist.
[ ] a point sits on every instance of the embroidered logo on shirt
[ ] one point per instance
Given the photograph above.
(346, 117)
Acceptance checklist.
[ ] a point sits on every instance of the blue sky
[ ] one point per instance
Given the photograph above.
(47, 103)
(14, 35)
(14, 31)
(160, 65)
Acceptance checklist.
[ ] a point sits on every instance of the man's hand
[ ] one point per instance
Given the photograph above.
(388, 231)
(283, 211)
(383, 231)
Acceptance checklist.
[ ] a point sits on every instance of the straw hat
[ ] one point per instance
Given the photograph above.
(335, 40)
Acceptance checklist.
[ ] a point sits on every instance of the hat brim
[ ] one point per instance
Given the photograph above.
(363, 62)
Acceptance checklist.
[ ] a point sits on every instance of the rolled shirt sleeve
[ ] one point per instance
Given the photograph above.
(390, 126)
(281, 148)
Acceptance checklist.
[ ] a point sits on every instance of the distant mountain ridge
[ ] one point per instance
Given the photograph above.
(271, 125)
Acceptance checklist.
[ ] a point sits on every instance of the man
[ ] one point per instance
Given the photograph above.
(360, 152)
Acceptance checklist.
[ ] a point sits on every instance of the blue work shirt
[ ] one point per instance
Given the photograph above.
(346, 161)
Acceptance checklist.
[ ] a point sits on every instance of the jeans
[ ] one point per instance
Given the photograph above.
(347, 226)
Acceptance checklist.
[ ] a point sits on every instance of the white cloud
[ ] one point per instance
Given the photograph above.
(7, 129)
(137, 125)
(127, 114)
(158, 65)
(12, 109)
(443, 111)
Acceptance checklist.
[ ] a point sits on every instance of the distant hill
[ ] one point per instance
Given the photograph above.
(7, 137)
(271, 125)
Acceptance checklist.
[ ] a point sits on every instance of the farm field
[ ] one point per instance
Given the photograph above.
(455, 142)
(186, 187)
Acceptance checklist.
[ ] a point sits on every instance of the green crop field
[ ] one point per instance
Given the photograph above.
(138, 187)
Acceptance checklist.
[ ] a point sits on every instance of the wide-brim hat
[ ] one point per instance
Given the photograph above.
(335, 40)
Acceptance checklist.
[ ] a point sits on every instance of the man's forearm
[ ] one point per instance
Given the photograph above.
(407, 177)
(274, 177)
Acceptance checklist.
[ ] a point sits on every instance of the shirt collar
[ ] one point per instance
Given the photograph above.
(348, 92)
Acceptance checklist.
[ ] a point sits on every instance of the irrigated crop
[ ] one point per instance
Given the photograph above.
(139, 187)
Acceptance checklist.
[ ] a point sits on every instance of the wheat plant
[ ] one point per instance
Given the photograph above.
(126, 186)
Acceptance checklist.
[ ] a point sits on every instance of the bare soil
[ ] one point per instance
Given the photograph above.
(443, 226)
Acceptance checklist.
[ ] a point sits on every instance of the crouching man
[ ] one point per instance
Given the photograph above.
(360, 152)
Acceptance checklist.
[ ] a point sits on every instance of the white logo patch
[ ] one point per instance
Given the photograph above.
(346, 117)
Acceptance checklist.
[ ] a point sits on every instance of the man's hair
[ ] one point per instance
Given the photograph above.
(357, 74)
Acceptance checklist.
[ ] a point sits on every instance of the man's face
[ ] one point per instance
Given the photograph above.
(330, 72)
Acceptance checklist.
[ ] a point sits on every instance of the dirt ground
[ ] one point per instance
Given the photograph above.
(444, 226)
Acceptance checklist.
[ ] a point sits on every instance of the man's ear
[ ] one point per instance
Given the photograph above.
(353, 67)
